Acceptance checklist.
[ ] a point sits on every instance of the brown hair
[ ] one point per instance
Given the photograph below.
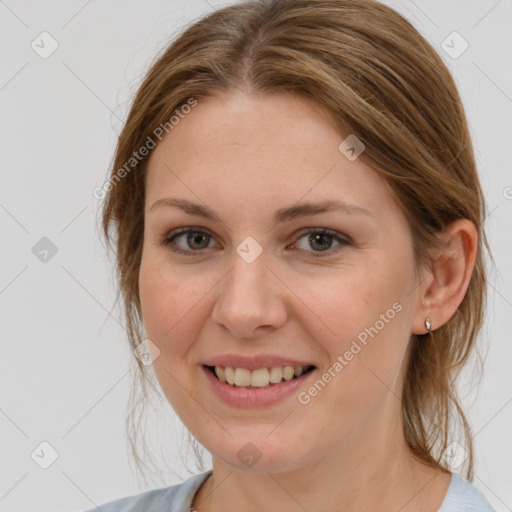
(373, 75)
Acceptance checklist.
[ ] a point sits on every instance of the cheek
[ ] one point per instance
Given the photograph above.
(362, 318)
(156, 299)
(169, 321)
(343, 305)
(167, 299)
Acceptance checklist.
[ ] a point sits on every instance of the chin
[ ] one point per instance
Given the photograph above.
(259, 454)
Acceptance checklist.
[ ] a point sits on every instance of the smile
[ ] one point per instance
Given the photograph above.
(241, 393)
(258, 378)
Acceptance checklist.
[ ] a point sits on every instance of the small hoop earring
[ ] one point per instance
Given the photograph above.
(428, 324)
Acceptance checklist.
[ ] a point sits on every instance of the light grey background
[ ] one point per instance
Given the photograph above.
(64, 364)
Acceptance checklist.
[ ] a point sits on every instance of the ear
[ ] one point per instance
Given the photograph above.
(444, 287)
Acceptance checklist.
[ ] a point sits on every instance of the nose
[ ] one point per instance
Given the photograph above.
(251, 300)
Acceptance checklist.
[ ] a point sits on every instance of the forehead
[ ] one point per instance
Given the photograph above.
(272, 148)
(254, 122)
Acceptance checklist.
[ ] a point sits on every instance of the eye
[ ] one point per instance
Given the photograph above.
(321, 238)
(196, 239)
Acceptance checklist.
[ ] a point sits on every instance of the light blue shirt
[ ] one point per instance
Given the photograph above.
(462, 496)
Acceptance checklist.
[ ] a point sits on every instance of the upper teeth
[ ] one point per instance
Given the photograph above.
(257, 378)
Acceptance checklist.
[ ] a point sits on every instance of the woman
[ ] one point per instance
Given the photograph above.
(297, 220)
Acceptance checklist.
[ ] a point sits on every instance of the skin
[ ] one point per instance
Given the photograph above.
(245, 156)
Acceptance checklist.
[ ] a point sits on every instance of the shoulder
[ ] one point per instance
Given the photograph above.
(165, 499)
(463, 496)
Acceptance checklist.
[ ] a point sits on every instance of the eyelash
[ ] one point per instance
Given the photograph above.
(168, 240)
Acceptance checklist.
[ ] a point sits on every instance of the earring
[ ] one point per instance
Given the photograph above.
(428, 324)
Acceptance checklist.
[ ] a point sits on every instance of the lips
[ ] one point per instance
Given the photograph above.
(248, 397)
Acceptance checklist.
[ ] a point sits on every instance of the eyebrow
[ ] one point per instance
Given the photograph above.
(283, 214)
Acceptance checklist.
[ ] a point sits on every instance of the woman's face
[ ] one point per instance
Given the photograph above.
(258, 284)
